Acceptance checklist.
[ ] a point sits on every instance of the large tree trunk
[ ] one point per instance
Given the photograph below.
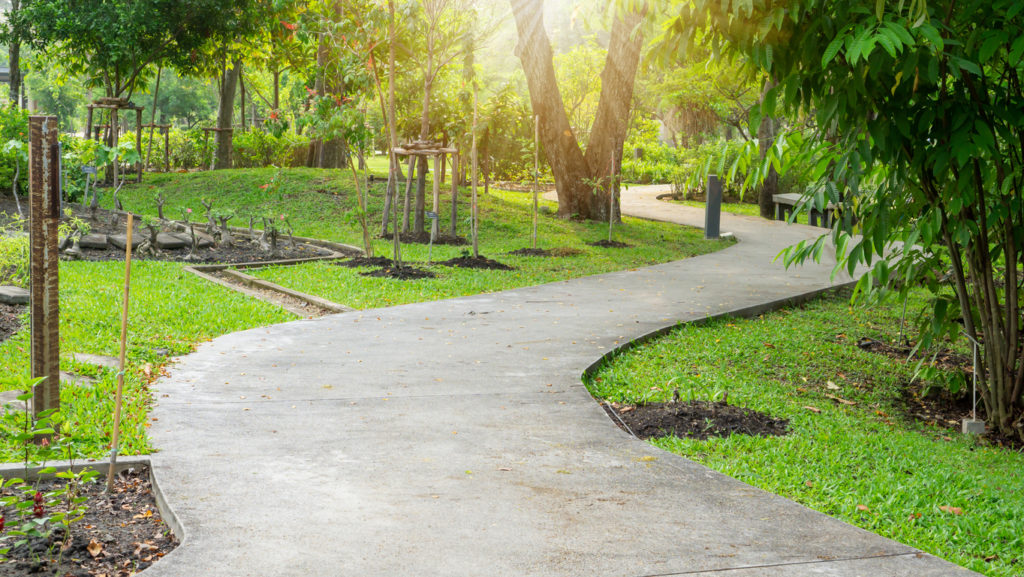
(766, 132)
(14, 58)
(225, 114)
(570, 167)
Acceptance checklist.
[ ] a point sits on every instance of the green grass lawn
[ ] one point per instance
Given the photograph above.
(863, 463)
(172, 311)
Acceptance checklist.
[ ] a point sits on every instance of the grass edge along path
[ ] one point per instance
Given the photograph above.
(864, 463)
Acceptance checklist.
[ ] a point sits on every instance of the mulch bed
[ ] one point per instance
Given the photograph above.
(608, 244)
(381, 261)
(424, 238)
(120, 535)
(477, 262)
(10, 320)
(532, 252)
(242, 250)
(403, 273)
(695, 420)
(938, 407)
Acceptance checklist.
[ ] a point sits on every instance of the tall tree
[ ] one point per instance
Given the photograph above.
(918, 137)
(574, 170)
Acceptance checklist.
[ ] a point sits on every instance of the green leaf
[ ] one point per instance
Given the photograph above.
(990, 45)
(832, 50)
(933, 37)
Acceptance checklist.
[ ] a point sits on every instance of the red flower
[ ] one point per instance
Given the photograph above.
(37, 509)
(264, 185)
(273, 115)
(2, 522)
(289, 25)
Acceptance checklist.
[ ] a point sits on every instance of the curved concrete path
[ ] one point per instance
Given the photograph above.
(454, 438)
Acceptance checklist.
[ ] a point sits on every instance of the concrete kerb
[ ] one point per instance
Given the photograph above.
(18, 470)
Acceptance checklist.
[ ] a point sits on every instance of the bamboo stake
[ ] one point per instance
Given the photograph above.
(124, 339)
(611, 197)
(473, 210)
(536, 173)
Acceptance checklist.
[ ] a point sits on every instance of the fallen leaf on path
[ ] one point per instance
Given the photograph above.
(813, 409)
(863, 508)
(832, 386)
(94, 548)
(809, 483)
(953, 510)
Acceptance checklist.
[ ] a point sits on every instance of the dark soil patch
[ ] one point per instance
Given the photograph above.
(400, 273)
(936, 406)
(121, 533)
(609, 244)
(381, 261)
(532, 252)
(10, 320)
(477, 262)
(243, 248)
(424, 238)
(695, 420)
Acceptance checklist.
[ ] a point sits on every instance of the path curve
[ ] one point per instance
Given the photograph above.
(454, 438)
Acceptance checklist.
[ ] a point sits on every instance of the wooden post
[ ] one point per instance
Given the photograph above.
(152, 114)
(114, 137)
(455, 194)
(167, 148)
(536, 173)
(138, 141)
(437, 195)
(44, 191)
(473, 160)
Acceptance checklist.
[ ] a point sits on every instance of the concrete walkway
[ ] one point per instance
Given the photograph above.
(454, 438)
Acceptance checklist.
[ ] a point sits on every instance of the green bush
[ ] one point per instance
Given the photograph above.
(13, 126)
(190, 149)
(257, 149)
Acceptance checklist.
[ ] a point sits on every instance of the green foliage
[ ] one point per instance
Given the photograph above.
(506, 140)
(14, 267)
(257, 149)
(190, 149)
(847, 455)
(918, 138)
(115, 41)
(13, 127)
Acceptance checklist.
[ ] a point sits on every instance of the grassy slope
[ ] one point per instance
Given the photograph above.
(861, 463)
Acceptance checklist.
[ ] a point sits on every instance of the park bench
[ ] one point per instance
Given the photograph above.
(785, 204)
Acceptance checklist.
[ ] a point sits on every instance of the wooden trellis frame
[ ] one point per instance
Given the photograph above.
(115, 105)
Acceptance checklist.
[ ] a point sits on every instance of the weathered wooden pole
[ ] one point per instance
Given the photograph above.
(473, 151)
(453, 225)
(437, 195)
(44, 193)
(116, 436)
(536, 174)
(138, 142)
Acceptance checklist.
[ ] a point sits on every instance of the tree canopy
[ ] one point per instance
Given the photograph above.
(114, 42)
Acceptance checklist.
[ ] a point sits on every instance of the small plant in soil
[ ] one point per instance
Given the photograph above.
(222, 233)
(47, 516)
(160, 200)
(148, 246)
(208, 205)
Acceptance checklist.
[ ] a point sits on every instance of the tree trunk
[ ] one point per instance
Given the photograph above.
(766, 132)
(575, 173)
(14, 59)
(225, 115)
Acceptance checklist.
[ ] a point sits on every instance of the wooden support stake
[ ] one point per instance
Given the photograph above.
(124, 340)
(611, 197)
(453, 225)
(536, 173)
(473, 208)
(437, 196)
(44, 199)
